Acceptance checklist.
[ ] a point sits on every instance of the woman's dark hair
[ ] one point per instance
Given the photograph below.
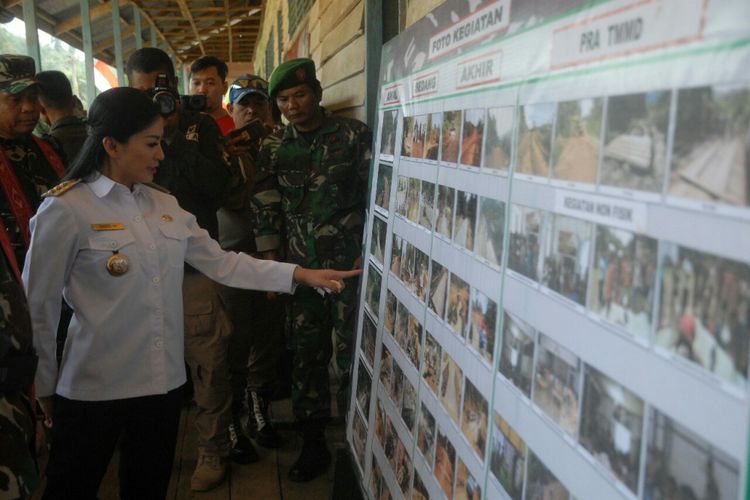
(118, 113)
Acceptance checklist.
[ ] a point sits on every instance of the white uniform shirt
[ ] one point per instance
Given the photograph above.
(126, 338)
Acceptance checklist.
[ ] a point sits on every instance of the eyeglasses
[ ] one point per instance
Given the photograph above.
(253, 83)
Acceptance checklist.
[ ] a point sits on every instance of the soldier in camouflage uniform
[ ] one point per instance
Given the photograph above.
(28, 168)
(311, 211)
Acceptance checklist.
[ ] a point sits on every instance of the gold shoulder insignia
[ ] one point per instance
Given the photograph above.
(154, 185)
(61, 188)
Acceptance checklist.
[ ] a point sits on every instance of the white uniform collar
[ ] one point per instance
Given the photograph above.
(102, 185)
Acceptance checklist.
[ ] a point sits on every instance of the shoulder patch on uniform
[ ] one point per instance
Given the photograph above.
(154, 185)
(192, 133)
(61, 188)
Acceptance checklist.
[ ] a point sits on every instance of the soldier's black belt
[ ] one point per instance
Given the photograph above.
(17, 372)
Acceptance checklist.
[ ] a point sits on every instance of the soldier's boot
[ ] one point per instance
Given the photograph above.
(209, 473)
(243, 451)
(259, 425)
(315, 457)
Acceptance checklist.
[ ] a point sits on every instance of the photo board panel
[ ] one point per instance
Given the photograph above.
(556, 289)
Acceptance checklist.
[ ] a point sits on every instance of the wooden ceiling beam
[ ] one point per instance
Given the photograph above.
(148, 18)
(189, 16)
(94, 13)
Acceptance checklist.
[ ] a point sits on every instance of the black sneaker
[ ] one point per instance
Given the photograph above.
(243, 451)
(312, 462)
(259, 426)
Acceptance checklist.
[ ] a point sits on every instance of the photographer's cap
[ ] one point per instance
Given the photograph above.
(292, 73)
(16, 73)
(245, 85)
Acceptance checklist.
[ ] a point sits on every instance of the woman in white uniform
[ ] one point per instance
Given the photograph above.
(114, 247)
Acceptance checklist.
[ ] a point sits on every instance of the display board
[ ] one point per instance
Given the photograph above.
(556, 296)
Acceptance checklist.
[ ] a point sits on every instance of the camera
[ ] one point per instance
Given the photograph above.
(163, 95)
(195, 102)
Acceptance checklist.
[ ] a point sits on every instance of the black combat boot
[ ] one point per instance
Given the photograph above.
(243, 451)
(259, 425)
(315, 457)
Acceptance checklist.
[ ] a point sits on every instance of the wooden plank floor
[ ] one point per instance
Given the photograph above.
(266, 479)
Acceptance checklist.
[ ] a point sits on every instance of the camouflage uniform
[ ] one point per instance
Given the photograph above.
(19, 475)
(68, 135)
(311, 207)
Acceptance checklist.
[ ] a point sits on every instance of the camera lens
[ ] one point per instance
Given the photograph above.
(166, 102)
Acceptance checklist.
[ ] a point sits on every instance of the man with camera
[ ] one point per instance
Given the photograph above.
(257, 317)
(208, 77)
(196, 171)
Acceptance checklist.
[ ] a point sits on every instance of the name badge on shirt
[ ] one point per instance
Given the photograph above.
(112, 226)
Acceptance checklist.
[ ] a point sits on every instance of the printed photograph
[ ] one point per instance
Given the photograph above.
(445, 464)
(383, 187)
(373, 289)
(612, 425)
(369, 334)
(386, 369)
(444, 216)
(388, 132)
(711, 152)
(391, 444)
(377, 242)
(420, 137)
(681, 464)
(508, 457)
(431, 364)
(705, 311)
(451, 380)
(466, 219)
(517, 352)
(427, 205)
(565, 262)
(451, 134)
(380, 421)
(474, 422)
(407, 144)
(359, 439)
(391, 303)
(426, 435)
(419, 490)
(398, 252)
(556, 380)
(489, 244)
(473, 133)
(635, 147)
(457, 315)
(481, 334)
(575, 150)
(413, 192)
(402, 322)
(376, 478)
(414, 336)
(402, 189)
(525, 235)
(467, 487)
(438, 288)
(403, 468)
(432, 142)
(397, 387)
(542, 484)
(497, 147)
(364, 388)
(623, 279)
(535, 139)
(415, 271)
(409, 405)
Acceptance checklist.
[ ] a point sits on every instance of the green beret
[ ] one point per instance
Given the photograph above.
(292, 73)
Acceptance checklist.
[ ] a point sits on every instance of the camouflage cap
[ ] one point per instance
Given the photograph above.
(16, 73)
(292, 73)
